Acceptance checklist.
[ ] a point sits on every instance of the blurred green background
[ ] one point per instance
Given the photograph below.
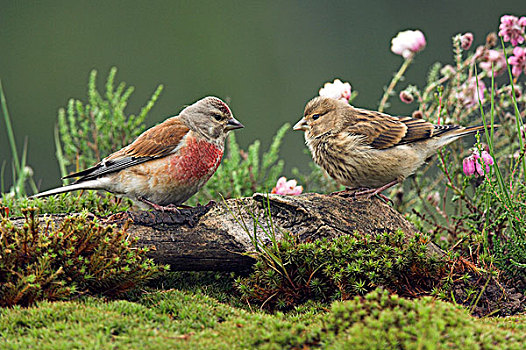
(268, 58)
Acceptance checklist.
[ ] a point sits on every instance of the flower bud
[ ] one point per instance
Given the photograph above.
(491, 40)
(406, 96)
(28, 171)
(418, 115)
(466, 40)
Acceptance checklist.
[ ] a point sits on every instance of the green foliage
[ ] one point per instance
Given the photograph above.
(40, 261)
(485, 212)
(177, 319)
(384, 321)
(22, 174)
(325, 270)
(99, 204)
(88, 132)
(243, 173)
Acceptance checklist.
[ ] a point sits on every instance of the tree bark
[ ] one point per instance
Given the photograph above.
(212, 237)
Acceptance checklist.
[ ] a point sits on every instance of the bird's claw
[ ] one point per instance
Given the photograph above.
(369, 193)
(210, 204)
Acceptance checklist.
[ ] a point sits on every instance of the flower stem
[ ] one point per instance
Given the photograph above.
(395, 81)
(9, 131)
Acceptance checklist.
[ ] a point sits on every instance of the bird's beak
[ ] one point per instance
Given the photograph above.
(301, 125)
(233, 124)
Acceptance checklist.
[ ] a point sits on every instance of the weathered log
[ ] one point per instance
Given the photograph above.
(212, 237)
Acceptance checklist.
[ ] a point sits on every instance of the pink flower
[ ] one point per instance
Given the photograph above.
(408, 42)
(466, 40)
(518, 61)
(406, 97)
(433, 198)
(285, 187)
(337, 90)
(512, 29)
(468, 165)
(470, 93)
(487, 160)
(495, 58)
(475, 162)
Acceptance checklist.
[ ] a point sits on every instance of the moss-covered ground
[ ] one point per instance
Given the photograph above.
(198, 311)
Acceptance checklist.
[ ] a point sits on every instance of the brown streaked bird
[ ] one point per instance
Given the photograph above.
(166, 164)
(369, 150)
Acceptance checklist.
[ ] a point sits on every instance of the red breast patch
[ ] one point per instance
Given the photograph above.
(195, 160)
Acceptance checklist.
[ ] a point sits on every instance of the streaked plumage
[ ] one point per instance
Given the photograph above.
(168, 163)
(367, 149)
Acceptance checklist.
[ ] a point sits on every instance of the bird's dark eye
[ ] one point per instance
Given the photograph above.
(217, 117)
(315, 116)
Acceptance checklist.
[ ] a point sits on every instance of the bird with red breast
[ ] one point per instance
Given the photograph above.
(168, 163)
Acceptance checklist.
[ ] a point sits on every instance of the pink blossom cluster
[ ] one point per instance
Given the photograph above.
(518, 61)
(470, 93)
(512, 29)
(408, 42)
(287, 188)
(473, 163)
(491, 60)
(336, 90)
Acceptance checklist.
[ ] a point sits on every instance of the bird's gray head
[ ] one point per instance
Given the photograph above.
(211, 117)
(321, 115)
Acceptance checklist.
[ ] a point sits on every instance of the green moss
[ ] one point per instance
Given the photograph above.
(325, 270)
(177, 319)
(41, 261)
(99, 204)
(388, 321)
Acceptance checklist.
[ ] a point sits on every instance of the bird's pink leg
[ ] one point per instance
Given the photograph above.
(171, 208)
(345, 192)
(377, 191)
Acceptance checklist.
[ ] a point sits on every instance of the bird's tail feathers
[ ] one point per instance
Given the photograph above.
(86, 185)
(452, 135)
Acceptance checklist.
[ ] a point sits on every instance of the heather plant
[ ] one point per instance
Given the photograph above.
(482, 206)
(87, 132)
(475, 202)
(54, 261)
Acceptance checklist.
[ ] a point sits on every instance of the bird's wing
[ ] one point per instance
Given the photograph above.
(384, 131)
(157, 142)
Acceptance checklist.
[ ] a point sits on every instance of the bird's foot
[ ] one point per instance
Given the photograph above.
(210, 204)
(183, 214)
(369, 193)
(347, 192)
(171, 208)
